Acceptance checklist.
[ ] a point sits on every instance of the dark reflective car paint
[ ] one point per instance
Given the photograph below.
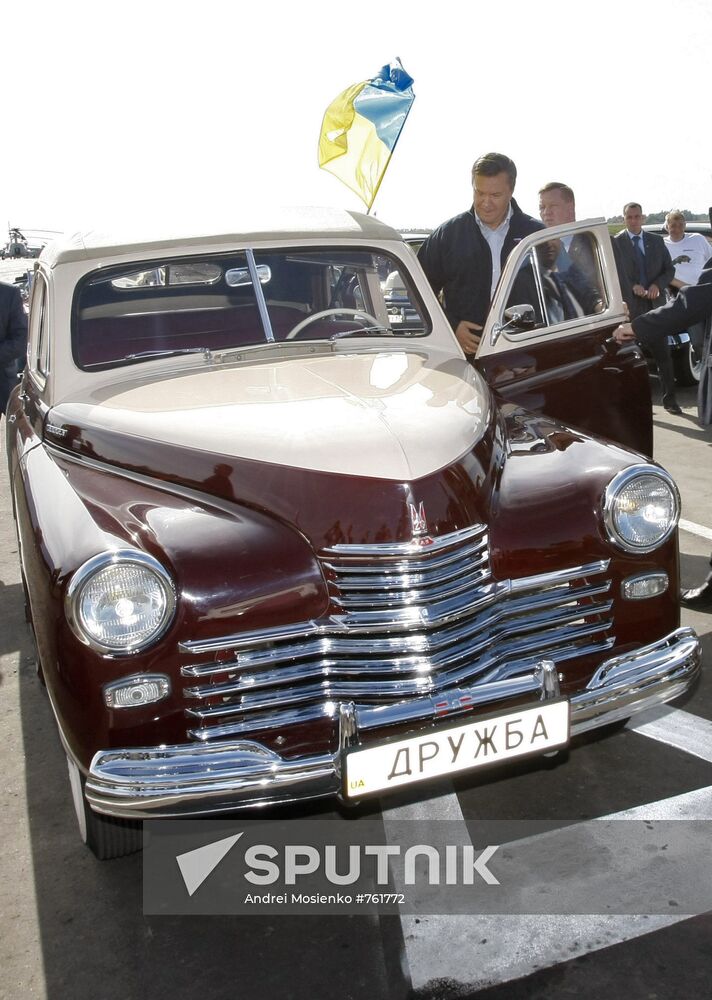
(584, 380)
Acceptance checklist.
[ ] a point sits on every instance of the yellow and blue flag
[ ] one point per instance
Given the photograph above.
(361, 127)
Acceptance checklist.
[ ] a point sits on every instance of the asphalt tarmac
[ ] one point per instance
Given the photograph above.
(75, 927)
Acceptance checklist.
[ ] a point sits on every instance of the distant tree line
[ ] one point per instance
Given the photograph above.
(660, 217)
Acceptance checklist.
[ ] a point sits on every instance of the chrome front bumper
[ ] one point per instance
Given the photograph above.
(199, 779)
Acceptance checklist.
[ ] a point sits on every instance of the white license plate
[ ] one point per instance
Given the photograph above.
(532, 730)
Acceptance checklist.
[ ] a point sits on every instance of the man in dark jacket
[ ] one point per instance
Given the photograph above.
(13, 339)
(645, 270)
(464, 257)
(693, 304)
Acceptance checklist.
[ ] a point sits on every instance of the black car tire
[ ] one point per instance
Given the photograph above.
(686, 365)
(106, 836)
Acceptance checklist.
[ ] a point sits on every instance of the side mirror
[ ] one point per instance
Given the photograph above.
(518, 319)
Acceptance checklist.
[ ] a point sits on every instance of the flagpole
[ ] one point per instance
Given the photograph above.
(380, 179)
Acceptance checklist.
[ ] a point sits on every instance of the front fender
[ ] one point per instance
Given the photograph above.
(548, 514)
(233, 569)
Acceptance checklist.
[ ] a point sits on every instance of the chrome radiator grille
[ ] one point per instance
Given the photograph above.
(421, 572)
(411, 622)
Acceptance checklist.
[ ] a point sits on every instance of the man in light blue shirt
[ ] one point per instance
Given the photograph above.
(495, 239)
(463, 258)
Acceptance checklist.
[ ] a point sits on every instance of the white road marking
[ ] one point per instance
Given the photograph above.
(696, 529)
(695, 805)
(445, 805)
(482, 950)
(678, 729)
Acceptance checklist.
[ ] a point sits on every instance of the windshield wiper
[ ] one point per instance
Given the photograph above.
(170, 353)
(372, 331)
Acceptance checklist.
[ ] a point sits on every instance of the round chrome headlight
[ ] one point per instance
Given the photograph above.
(641, 507)
(120, 602)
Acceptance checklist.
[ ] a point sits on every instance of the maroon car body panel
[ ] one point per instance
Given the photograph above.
(585, 381)
(244, 557)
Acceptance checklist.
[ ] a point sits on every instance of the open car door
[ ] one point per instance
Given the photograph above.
(547, 341)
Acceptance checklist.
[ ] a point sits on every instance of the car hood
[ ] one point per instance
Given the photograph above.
(389, 415)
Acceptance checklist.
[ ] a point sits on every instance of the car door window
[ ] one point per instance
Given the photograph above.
(557, 282)
(561, 279)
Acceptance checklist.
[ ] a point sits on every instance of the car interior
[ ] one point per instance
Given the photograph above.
(131, 314)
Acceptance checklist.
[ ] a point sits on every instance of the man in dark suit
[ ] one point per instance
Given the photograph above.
(568, 293)
(13, 339)
(645, 270)
(693, 304)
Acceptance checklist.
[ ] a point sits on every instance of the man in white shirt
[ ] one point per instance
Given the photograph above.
(689, 251)
(463, 258)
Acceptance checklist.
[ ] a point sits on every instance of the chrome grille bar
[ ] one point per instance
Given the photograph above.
(415, 619)
(416, 549)
(419, 678)
(432, 634)
(434, 659)
(406, 619)
(379, 577)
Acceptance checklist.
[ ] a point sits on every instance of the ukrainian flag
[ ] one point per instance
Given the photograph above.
(361, 127)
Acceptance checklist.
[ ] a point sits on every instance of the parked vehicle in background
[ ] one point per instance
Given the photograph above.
(24, 283)
(690, 227)
(277, 544)
(400, 311)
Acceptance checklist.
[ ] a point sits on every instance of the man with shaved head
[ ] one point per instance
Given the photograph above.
(645, 270)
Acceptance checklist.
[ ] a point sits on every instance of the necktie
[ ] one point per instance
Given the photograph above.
(554, 303)
(640, 258)
(561, 303)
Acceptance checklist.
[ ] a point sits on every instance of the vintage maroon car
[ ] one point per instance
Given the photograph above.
(276, 547)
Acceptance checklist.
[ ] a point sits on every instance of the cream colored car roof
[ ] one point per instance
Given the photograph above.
(269, 225)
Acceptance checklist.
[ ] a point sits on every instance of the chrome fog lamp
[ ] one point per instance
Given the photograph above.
(120, 602)
(641, 507)
(640, 588)
(133, 692)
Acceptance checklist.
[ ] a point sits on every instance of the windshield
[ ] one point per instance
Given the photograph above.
(209, 304)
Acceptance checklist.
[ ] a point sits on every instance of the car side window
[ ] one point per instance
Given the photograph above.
(561, 280)
(38, 351)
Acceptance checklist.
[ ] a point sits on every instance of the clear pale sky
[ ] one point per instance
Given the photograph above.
(153, 111)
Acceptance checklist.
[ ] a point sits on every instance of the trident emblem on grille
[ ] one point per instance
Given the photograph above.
(418, 520)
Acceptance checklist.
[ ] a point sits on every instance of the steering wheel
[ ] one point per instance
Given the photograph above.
(358, 314)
